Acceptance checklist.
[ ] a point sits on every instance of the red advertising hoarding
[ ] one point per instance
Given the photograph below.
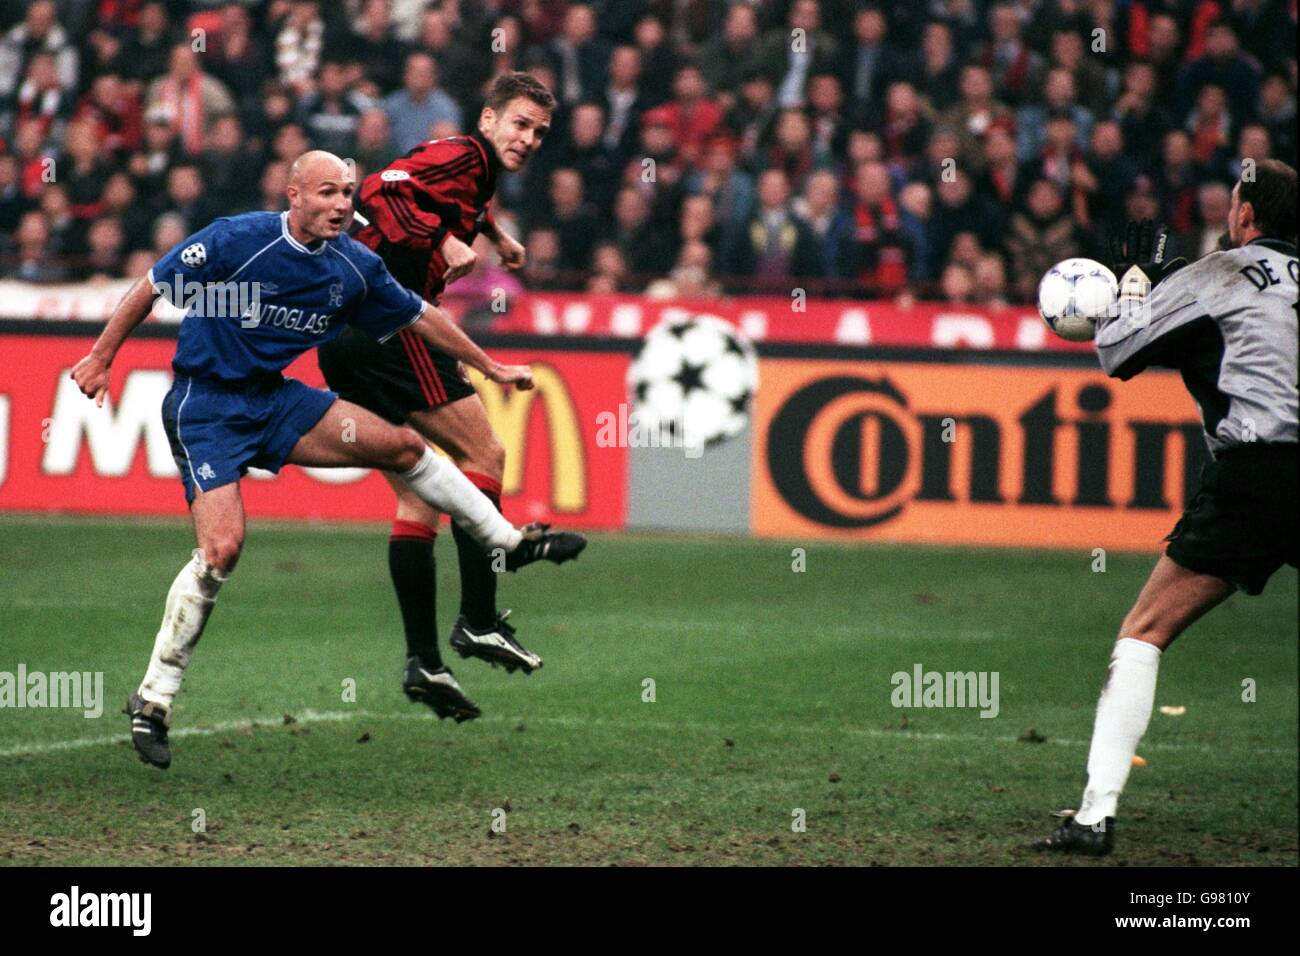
(58, 452)
(776, 319)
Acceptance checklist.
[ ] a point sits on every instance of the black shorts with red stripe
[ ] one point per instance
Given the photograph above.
(396, 378)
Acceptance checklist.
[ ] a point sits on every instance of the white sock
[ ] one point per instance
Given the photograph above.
(442, 485)
(1123, 712)
(189, 602)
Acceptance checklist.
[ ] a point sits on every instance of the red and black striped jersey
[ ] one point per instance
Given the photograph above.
(439, 187)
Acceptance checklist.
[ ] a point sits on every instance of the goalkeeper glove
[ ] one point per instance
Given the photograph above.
(1139, 257)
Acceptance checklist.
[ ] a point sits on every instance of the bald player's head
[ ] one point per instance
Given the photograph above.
(320, 196)
(316, 164)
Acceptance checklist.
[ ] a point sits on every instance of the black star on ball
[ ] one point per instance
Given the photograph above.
(740, 404)
(640, 390)
(678, 329)
(690, 377)
(733, 346)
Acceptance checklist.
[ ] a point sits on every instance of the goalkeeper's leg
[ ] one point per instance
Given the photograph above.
(1173, 598)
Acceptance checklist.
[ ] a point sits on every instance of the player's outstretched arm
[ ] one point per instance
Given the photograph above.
(91, 373)
(436, 328)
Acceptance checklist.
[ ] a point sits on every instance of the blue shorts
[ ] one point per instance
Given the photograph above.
(218, 431)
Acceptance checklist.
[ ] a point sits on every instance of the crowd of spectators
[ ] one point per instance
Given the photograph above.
(947, 149)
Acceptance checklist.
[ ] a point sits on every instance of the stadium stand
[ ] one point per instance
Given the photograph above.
(942, 149)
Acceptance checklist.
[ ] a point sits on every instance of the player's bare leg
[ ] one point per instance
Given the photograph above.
(1171, 601)
(219, 532)
(461, 429)
(349, 435)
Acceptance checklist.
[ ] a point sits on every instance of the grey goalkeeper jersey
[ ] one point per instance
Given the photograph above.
(1227, 322)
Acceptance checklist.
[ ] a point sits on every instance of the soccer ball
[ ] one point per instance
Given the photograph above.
(1074, 295)
(693, 379)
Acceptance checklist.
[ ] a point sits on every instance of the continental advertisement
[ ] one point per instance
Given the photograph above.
(59, 453)
(972, 454)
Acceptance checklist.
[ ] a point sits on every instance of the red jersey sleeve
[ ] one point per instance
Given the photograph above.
(417, 199)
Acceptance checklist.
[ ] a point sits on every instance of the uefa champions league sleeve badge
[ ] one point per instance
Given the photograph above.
(194, 255)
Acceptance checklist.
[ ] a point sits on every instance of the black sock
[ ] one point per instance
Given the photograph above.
(411, 564)
(478, 582)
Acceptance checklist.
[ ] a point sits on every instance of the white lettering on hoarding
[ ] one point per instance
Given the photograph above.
(112, 433)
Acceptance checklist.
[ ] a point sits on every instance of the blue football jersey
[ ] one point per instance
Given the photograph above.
(255, 298)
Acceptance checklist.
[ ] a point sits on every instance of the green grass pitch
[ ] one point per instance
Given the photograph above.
(772, 694)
